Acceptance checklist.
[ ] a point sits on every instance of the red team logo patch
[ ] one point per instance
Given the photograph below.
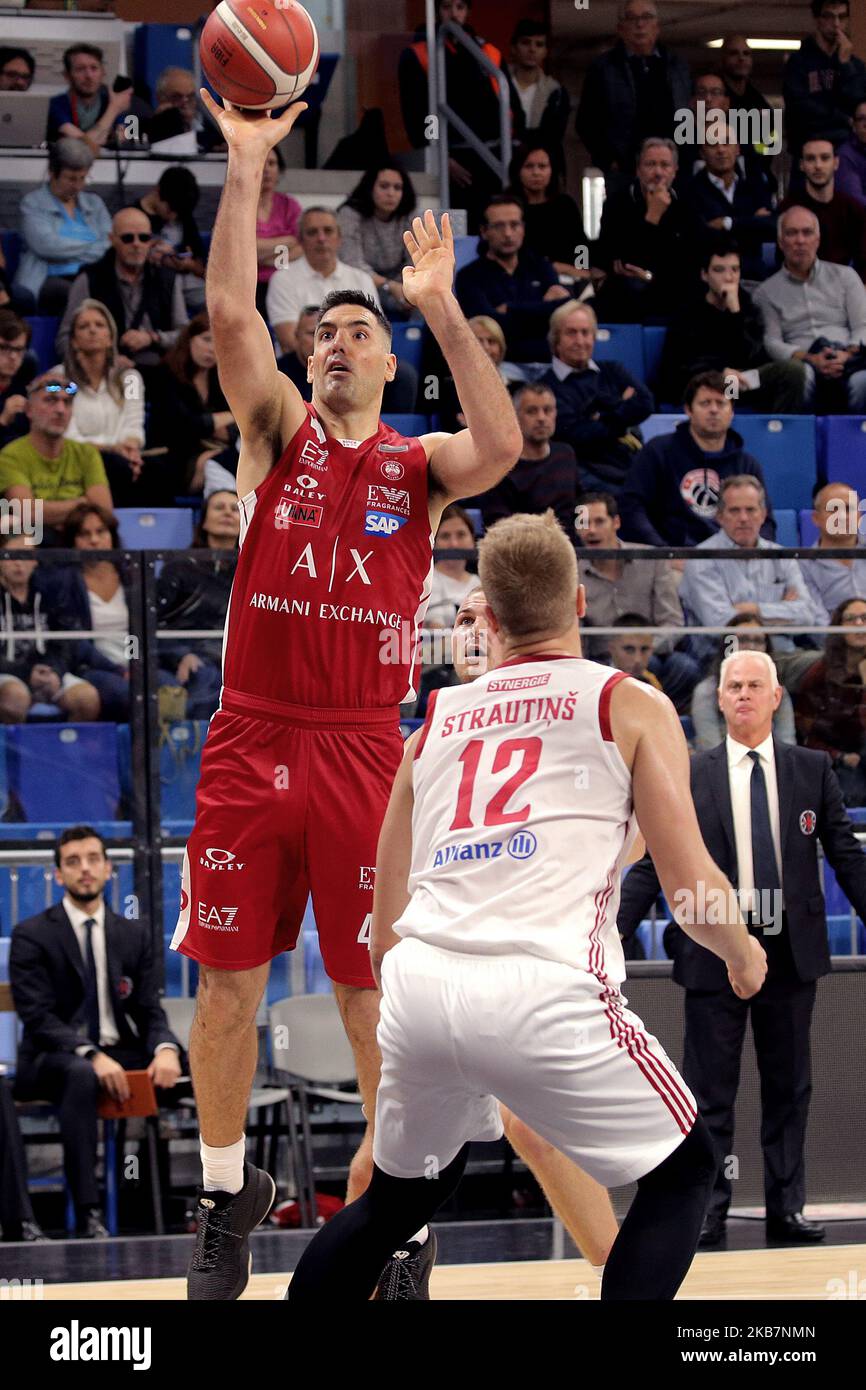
(392, 470)
(808, 821)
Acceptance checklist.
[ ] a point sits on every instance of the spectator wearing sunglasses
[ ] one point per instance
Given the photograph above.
(62, 228)
(44, 464)
(145, 300)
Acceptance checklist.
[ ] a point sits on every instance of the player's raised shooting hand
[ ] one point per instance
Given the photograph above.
(254, 132)
(431, 274)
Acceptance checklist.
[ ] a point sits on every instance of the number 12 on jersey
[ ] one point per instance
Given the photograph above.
(529, 752)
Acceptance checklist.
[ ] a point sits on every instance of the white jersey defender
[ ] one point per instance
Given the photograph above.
(506, 980)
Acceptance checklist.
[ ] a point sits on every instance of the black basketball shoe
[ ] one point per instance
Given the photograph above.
(406, 1276)
(222, 1262)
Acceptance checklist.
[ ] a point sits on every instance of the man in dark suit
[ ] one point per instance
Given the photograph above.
(85, 988)
(762, 807)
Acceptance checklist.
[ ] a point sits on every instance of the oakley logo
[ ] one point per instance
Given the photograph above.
(220, 859)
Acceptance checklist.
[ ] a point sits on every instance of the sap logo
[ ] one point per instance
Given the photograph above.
(219, 859)
(393, 499)
(217, 918)
(522, 844)
(314, 457)
(450, 853)
(381, 524)
(299, 513)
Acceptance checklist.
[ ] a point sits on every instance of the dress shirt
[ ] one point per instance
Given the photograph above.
(295, 286)
(711, 589)
(727, 191)
(830, 582)
(739, 780)
(829, 303)
(108, 1034)
(562, 371)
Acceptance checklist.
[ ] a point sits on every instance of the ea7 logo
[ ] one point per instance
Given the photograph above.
(381, 524)
(394, 499)
(314, 457)
(217, 918)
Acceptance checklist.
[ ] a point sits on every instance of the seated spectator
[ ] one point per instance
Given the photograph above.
(631, 92)
(723, 200)
(195, 594)
(710, 105)
(723, 332)
(815, 312)
(108, 408)
(554, 226)
(17, 67)
(33, 669)
(545, 101)
(842, 220)
(294, 363)
(618, 586)
(510, 283)
(823, 81)
(62, 229)
(277, 219)
(545, 476)
(177, 241)
(672, 493)
(145, 300)
(831, 700)
(492, 340)
(85, 1023)
(709, 724)
(92, 595)
(44, 464)
(834, 578)
(189, 413)
(18, 367)
(647, 242)
(179, 112)
(472, 95)
(598, 404)
(452, 579)
(372, 221)
(851, 172)
(772, 590)
(632, 651)
(315, 274)
(86, 110)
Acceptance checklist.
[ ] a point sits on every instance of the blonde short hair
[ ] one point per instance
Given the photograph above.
(491, 328)
(528, 571)
(558, 317)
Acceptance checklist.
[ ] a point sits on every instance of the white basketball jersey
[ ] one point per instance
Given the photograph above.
(523, 817)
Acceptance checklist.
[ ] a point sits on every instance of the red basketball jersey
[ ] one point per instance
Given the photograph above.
(333, 574)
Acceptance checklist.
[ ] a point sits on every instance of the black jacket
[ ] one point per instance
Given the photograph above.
(669, 248)
(46, 972)
(807, 786)
(708, 203)
(608, 112)
(820, 94)
(706, 339)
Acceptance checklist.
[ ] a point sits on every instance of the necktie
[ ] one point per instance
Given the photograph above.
(91, 990)
(764, 868)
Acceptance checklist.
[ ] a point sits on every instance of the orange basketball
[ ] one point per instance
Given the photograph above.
(259, 53)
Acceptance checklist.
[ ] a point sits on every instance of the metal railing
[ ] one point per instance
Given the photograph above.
(437, 88)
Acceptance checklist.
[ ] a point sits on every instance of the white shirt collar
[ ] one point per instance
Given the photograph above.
(738, 752)
(78, 916)
(561, 369)
(727, 189)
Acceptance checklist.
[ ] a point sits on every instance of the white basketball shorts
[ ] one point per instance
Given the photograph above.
(556, 1046)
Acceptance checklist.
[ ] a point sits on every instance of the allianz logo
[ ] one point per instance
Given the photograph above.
(521, 845)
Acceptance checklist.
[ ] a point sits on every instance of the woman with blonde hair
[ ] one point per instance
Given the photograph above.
(492, 340)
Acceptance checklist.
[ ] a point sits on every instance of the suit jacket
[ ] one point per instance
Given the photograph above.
(810, 809)
(750, 194)
(46, 972)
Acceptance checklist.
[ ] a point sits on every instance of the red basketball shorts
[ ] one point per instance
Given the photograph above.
(290, 802)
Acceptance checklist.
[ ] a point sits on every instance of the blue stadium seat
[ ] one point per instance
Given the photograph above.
(465, 250)
(155, 528)
(64, 767)
(839, 917)
(410, 425)
(653, 347)
(179, 762)
(785, 447)
(623, 343)
(407, 343)
(844, 450)
(11, 243)
(659, 424)
(158, 46)
(786, 528)
(808, 529)
(474, 514)
(43, 332)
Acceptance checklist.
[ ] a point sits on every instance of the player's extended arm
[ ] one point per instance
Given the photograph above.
(649, 736)
(268, 409)
(393, 859)
(464, 464)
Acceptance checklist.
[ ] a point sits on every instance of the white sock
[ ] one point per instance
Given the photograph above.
(599, 1270)
(223, 1168)
(421, 1236)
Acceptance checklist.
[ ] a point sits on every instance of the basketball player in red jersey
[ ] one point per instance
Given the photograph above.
(337, 520)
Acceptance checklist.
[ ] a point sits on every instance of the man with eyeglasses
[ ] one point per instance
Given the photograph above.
(146, 300)
(630, 93)
(46, 466)
(17, 370)
(178, 111)
(17, 67)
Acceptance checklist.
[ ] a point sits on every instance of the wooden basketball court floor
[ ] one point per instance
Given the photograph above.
(817, 1272)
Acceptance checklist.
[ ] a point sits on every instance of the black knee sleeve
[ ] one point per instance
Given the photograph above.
(693, 1163)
